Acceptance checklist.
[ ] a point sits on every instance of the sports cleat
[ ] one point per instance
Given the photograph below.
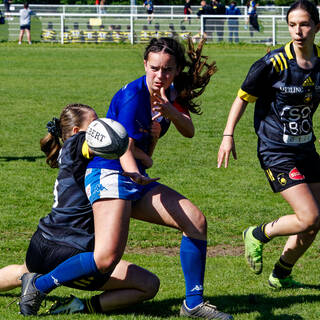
(31, 297)
(253, 250)
(204, 311)
(70, 305)
(285, 283)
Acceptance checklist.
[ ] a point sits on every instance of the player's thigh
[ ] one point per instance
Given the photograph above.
(127, 275)
(111, 225)
(163, 205)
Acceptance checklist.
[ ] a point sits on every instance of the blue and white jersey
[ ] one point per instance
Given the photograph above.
(286, 98)
(252, 8)
(71, 221)
(131, 107)
(149, 5)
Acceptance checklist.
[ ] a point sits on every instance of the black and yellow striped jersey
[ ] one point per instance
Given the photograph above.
(90, 36)
(286, 98)
(102, 36)
(76, 35)
(48, 35)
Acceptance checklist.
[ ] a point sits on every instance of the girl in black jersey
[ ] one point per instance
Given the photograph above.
(68, 229)
(285, 84)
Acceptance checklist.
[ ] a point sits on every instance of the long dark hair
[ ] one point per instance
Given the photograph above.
(307, 6)
(59, 130)
(195, 72)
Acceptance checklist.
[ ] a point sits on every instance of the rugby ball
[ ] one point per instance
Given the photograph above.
(107, 138)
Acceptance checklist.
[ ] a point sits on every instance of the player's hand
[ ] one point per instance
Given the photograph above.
(155, 129)
(162, 105)
(139, 178)
(227, 146)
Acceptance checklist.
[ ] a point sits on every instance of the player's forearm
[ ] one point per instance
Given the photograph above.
(184, 124)
(127, 160)
(143, 157)
(236, 112)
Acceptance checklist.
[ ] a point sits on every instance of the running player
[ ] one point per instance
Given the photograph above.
(121, 189)
(285, 86)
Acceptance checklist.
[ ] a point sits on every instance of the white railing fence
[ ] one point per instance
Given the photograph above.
(137, 28)
(137, 9)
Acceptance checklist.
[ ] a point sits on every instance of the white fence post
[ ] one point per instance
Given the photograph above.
(274, 31)
(62, 28)
(131, 28)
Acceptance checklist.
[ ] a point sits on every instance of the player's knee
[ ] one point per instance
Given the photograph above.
(105, 263)
(310, 222)
(201, 223)
(152, 284)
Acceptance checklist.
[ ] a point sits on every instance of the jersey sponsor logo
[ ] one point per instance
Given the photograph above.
(308, 98)
(295, 174)
(297, 124)
(281, 179)
(291, 89)
(297, 139)
(308, 82)
(197, 288)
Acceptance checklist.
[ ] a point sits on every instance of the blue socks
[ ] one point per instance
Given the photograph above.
(80, 265)
(193, 254)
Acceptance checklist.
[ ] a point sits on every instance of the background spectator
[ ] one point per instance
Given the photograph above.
(219, 9)
(208, 22)
(187, 10)
(149, 5)
(233, 23)
(253, 17)
(25, 22)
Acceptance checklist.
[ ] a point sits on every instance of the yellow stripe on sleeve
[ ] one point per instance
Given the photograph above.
(275, 64)
(284, 60)
(288, 50)
(86, 151)
(279, 62)
(246, 96)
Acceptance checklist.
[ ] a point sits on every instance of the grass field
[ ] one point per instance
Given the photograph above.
(37, 81)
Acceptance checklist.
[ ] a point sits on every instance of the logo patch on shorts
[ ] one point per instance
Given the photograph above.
(295, 174)
(281, 179)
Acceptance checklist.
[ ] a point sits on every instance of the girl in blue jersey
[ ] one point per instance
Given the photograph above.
(285, 84)
(117, 196)
(68, 230)
(121, 189)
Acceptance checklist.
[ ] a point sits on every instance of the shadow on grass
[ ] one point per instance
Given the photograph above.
(29, 159)
(233, 304)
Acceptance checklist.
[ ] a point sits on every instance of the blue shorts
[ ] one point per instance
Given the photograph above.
(111, 184)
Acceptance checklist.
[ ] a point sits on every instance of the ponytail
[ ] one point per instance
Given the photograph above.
(50, 144)
(191, 83)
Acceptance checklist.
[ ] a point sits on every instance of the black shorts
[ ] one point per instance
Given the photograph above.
(44, 255)
(293, 172)
(25, 26)
(149, 11)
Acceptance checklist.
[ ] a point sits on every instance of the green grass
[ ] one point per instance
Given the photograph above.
(38, 81)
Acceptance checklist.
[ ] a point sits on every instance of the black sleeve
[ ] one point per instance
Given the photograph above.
(258, 79)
